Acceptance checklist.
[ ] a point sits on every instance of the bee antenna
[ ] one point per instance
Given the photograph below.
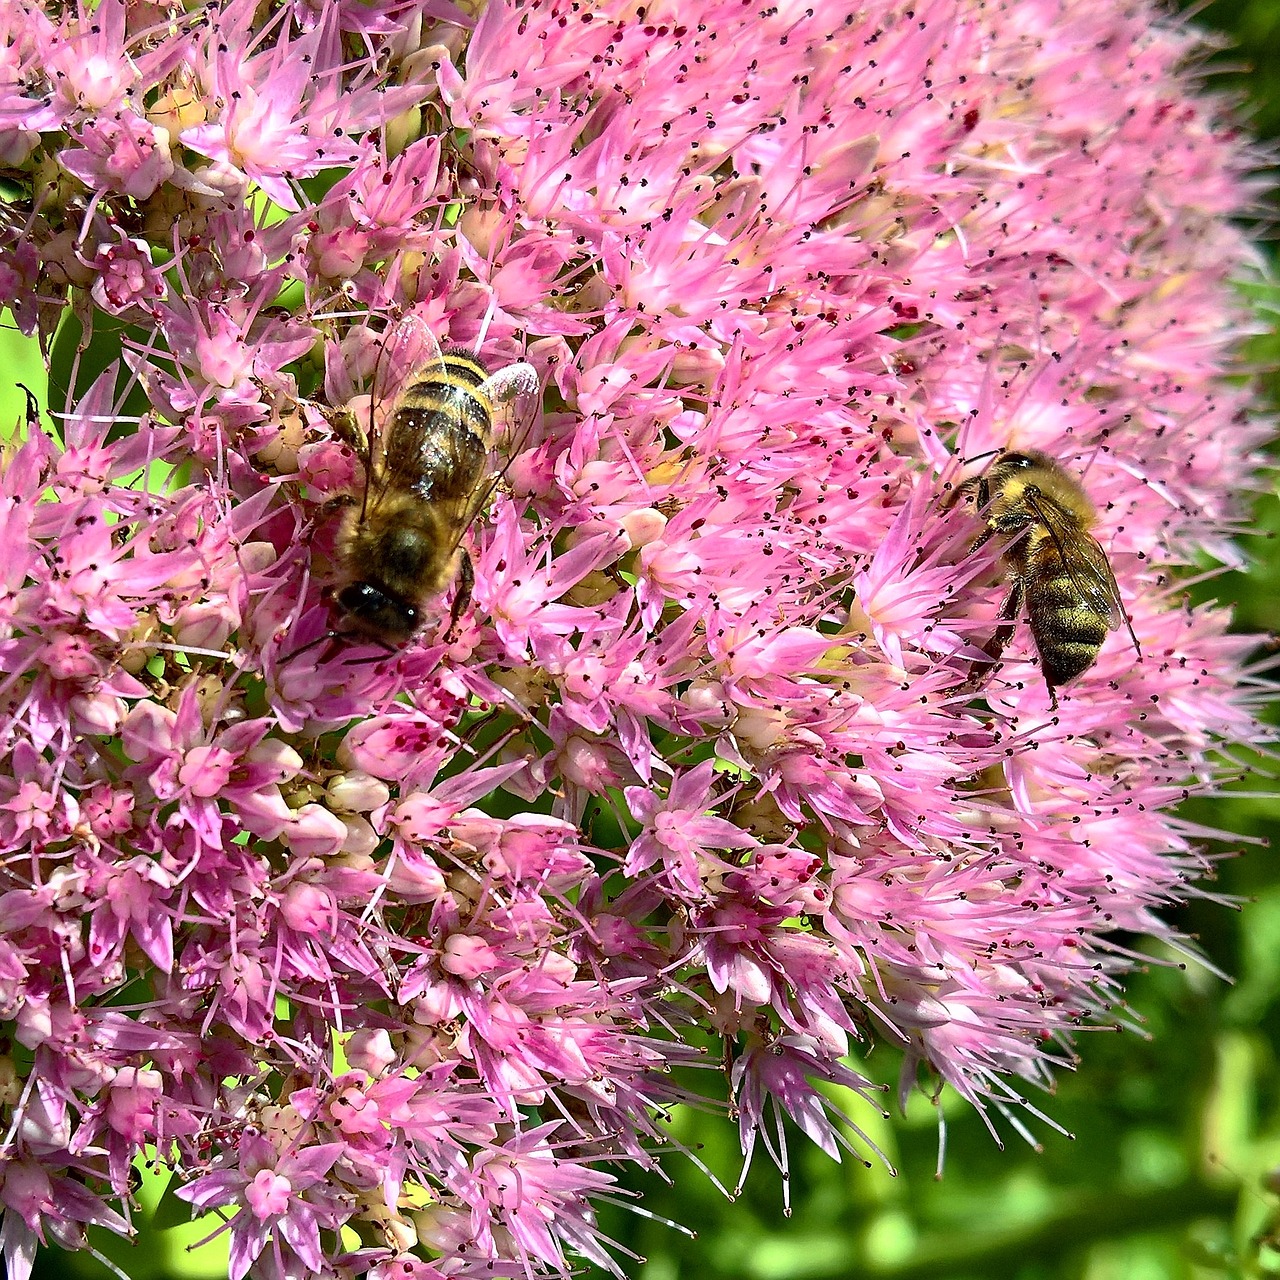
(978, 457)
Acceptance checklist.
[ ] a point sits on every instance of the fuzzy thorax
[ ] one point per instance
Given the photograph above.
(1018, 479)
(407, 552)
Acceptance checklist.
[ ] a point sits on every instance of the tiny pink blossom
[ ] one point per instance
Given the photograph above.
(268, 1194)
(125, 277)
(125, 154)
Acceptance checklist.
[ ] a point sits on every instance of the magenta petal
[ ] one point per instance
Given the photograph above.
(212, 1189)
(300, 1231)
(308, 1166)
(248, 1239)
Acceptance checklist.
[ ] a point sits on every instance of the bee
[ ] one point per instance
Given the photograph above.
(1054, 565)
(427, 475)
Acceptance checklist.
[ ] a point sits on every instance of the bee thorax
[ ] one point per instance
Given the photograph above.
(410, 560)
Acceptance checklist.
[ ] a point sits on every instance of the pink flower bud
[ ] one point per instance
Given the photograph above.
(643, 526)
(416, 878)
(370, 1051)
(314, 832)
(357, 792)
(467, 957)
(205, 626)
(307, 908)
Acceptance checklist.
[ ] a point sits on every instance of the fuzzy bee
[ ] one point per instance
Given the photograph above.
(427, 474)
(1054, 565)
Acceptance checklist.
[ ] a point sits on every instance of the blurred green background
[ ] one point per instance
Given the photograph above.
(1174, 1168)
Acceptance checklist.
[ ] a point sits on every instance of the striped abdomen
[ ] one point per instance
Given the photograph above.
(438, 438)
(1068, 630)
(453, 388)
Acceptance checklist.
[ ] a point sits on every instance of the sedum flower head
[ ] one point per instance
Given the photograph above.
(389, 953)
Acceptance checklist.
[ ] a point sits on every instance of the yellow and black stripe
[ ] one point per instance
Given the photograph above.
(1069, 632)
(453, 388)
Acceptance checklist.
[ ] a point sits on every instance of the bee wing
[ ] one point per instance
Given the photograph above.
(1084, 559)
(409, 352)
(515, 392)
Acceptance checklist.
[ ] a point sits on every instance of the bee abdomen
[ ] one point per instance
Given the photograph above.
(1068, 632)
(454, 389)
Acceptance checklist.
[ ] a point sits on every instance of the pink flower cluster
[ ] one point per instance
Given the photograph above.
(390, 955)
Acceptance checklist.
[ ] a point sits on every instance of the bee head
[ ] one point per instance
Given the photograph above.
(1021, 461)
(378, 614)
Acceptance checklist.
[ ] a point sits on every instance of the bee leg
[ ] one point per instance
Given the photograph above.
(981, 540)
(335, 503)
(1008, 615)
(963, 491)
(462, 594)
(327, 637)
(328, 509)
(984, 501)
(994, 647)
(349, 431)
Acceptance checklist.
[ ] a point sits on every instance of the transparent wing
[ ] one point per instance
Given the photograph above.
(377, 362)
(409, 352)
(516, 380)
(1084, 560)
(516, 394)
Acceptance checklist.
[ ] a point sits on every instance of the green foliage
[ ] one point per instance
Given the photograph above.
(1247, 64)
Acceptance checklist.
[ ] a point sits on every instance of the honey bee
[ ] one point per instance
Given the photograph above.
(1054, 565)
(427, 475)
